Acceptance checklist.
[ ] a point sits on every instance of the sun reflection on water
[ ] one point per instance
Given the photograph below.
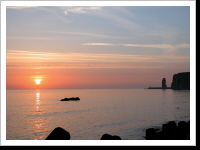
(38, 121)
(38, 102)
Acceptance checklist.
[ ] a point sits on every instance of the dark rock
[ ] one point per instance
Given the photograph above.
(110, 137)
(71, 99)
(182, 125)
(164, 127)
(171, 126)
(188, 126)
(150, 133)
(106, 137)
(115, 137)
(164, 86)
(170, 131)
(181, 81)
(59, 134)
(182, 130)
(159, 136)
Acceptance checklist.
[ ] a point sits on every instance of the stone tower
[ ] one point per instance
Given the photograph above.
(164, 86)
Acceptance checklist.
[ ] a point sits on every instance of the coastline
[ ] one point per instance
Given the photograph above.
(169, 131)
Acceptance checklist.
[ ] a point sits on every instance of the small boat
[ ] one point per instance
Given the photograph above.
(71, 99)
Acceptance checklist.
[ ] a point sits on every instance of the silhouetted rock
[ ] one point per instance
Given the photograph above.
(115, 137)
(58, 134)
(164, 127)
(110, 137)
(71, 99)
(181, 81)
(170, 131)
(164, 86)
(159, 136)
(150, 133)
(182, 130)
(188, 131)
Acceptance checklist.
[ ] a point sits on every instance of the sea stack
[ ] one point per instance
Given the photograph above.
(164, 86)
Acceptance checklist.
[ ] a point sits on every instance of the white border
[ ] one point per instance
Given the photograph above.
(192, 140)
(97, 3)
(193, 72)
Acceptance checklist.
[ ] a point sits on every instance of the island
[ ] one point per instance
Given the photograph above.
(71, 99)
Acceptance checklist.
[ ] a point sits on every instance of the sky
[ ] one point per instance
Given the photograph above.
(95, 47)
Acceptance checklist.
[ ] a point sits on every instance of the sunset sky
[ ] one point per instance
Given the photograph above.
(96, 47)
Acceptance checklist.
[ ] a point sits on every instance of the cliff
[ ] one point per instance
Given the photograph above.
(181, 81)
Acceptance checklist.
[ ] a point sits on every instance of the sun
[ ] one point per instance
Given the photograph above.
(37, 81)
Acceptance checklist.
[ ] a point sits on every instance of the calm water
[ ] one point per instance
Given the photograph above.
(33, 114)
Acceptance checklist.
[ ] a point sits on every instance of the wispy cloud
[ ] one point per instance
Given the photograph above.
(165, 46)
(79, 10)
(45, 60)
(56, 35)
(99, 44)
(81, 34)
(162, 46)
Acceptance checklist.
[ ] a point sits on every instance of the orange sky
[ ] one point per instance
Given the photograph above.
(76, 70)
(79, 78)
(95, 47)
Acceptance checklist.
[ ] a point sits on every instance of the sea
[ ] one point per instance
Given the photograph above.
(33, 114)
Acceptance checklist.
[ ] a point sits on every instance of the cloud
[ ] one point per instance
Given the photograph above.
(46, 60)
(161, 46)
(79, 10)
(182, 46)
(81, 34)
(99, 44)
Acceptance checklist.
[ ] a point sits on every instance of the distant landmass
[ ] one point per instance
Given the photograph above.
(181, 81)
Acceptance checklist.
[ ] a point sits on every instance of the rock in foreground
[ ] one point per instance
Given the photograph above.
(59, 134)
(110, 137)
(170, 131)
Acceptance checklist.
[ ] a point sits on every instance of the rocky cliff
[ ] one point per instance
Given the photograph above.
(181, 81)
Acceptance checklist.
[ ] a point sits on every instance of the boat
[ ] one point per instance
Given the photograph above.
(71, 99)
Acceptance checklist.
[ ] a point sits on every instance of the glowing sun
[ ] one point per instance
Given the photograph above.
(37, 81)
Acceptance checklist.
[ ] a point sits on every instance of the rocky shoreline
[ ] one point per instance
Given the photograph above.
(169, 131)
(61, 134)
